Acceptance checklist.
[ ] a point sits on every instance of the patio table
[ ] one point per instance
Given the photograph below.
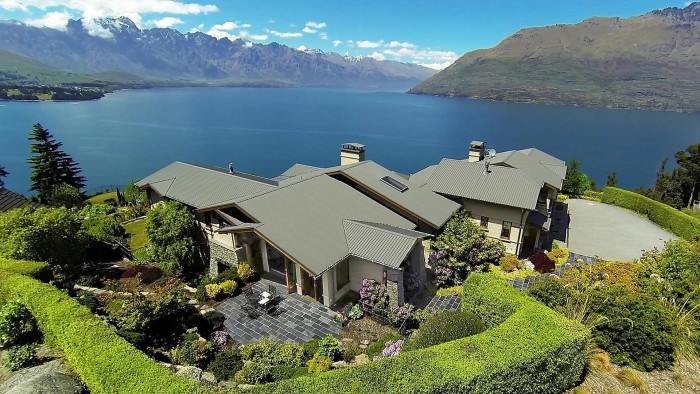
(264, 301)
(265, 294)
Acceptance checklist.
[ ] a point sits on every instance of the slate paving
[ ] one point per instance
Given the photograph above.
(296, 319)
(425, 300)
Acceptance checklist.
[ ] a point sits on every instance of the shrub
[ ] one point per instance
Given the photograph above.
(543, 264)
(245, 272)
(282, 372)
(228, 274)
(88, 299)
(328, 346)
(673, 220)
(226, 364)
(510, 263)
(266, 352)
(210, 322)
(213, 291)
(376, 348)
(632, 379)
(351, 351)
(228, 287)
(399, 314)
(145, 273)
(195, 353)
(319, 363)
(636, 331)
(254, 373)
(374, 293)
(447, 326)
(17, 324)
(220, 338)
(310, 347)
(355, 312)
(549, 291)
(133, 337)
(21, 356)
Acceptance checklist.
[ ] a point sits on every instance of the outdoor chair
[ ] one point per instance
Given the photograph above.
(251, 311)
(252, 297)
(273, 291)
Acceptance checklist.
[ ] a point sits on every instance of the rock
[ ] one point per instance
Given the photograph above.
(339, 364)
(363, 346)
(364, 342)
(208, 377)
(190, 372)
(361, 359)
(347, 341)
(192, 302)
(49, 378)
(244, 386)
(529, 266)
(189, 289)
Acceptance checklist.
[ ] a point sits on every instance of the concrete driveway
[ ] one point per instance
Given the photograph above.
(597, 229)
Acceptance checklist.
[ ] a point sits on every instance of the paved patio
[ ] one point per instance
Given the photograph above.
(424, 300)
(297, 319)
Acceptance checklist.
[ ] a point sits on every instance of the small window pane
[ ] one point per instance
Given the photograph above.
(484, 222)
(505, 230)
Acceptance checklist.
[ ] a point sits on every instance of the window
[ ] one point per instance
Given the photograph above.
(342, 274)
(394, 183)
(505, 230)
(485, 222)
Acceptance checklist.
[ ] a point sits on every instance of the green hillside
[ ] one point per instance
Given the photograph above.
(16, 69)
(647, 62)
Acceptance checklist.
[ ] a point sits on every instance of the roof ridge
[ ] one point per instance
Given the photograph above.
(235, 173)
(369, 224)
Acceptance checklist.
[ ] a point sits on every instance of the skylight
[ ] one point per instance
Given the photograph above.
(394, 183)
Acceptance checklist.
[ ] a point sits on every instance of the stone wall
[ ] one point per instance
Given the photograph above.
(221, 254)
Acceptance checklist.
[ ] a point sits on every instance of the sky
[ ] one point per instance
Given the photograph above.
(431, 33)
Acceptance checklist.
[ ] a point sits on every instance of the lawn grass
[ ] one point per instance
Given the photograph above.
(101, 198)
(137, 234)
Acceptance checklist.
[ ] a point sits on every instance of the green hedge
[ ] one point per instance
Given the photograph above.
(29, 268)
(673, 220)
(528, 349)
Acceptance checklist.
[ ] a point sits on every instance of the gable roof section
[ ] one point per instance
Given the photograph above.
(11, 200)
(536, 164)
(430, 207)
(380, 243)
(501, 185)
(305, 219)
(298, 169)
(201, 186)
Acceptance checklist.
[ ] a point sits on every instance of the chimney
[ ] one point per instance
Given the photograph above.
(477, 150)
(351, 153)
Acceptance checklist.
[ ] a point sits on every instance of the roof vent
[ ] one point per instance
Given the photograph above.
(230, 168)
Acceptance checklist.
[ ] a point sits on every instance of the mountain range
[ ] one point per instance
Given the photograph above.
(167, 55)
(650, 61)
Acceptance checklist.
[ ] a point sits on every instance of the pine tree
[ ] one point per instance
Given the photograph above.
(3, 173)
(50, 165)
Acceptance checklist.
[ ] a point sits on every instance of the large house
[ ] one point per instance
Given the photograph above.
(321, 231)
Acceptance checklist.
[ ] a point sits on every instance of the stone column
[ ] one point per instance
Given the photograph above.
(299, 271)
(394, 286)
(263, 253)
(328, 279)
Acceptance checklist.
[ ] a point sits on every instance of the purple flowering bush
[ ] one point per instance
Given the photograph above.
(411, 280)
(220, 338)
(445, 276)
(391, 349)
(399, 314)
(374, 293)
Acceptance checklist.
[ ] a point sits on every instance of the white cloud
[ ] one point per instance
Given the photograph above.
(228, 26)
(397, 44)
(336, 43)
(53, 20)
(315, 25)
(309, 30)
(271, 21)
(93, 9)
(199, 27)
(436, 65)
(167, 22)
(421, 54)
(377, 56)
(256, 37)
(248, 44)
(301, 48)
(284, 35)
(369, 44)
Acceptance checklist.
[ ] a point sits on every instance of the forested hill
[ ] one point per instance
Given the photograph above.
(648, 62)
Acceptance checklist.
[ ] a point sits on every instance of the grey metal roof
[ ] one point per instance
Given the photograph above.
(305, 219)
(501, 185)
(298, 169)
(380, 243)
(239, 227)
(430, 207)
(536, 164)
(11, 200)
(202, 186)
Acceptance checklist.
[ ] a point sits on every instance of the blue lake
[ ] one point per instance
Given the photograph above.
(129, 134)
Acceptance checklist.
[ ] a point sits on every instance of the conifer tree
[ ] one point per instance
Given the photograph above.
(50, 165)
(3, 173)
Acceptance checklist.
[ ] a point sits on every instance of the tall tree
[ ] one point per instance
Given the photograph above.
(689, 160)
(576, 182)
(612, 179)
(3, 173)
(668, 187)
(51, 166)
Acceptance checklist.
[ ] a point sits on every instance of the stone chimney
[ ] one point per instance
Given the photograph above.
(351, 153)
(477, 151)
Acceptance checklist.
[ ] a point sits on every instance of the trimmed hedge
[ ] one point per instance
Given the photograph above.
(528, 349)
(29, 268)
(673, 220)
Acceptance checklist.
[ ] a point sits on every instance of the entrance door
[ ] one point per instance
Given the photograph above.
(307, 284)
(529, 239)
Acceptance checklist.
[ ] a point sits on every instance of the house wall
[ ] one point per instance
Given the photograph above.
(497, 214)
(361, 269)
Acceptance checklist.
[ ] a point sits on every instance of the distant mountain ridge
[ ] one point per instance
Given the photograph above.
(170, 55)
(647, 62)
